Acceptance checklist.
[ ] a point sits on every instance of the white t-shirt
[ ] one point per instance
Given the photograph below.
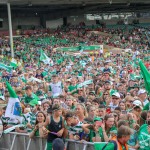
(56, 88)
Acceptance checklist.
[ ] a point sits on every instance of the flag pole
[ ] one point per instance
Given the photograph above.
(10, 30)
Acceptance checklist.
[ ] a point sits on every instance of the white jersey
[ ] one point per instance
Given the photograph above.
(56, 88)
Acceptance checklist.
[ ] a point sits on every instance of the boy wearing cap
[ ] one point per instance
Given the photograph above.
(115, 101)
(143, 96)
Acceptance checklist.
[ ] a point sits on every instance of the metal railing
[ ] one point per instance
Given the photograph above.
(21, 141)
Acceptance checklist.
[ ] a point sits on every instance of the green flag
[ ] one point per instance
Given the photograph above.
(146, 76)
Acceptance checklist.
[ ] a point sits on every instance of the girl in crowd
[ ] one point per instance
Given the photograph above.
(38, 129)
(122, 106)
(55, 124)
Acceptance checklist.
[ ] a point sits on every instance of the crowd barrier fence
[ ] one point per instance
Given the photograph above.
(21, 141)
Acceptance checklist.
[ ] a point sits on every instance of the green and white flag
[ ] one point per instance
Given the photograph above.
(45, 58)
(13, 63)
(144, 137)
(33, 79)
(84, 83)
(13, 128)
(5, 67)
(13, 109)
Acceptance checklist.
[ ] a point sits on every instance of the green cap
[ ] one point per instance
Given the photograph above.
(97, 119)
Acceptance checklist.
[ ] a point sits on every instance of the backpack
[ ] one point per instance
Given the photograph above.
(111, 141)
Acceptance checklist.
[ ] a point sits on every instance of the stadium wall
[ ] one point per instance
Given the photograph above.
(36, 21)
(25, 21)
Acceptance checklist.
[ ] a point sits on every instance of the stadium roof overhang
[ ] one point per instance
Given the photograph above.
(75, 7)
(73, 2)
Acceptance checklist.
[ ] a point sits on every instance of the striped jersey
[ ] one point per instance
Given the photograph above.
(9, 121)
(76, 129)
(30, 118)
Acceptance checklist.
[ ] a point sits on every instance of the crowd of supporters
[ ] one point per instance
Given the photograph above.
(55, 104)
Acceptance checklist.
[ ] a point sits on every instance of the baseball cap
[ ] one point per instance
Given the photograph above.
(33, 103)
(137, 103)
(91, 92)
(56, 107)
(141, 91)
(108, 82)
(116, 94)
(97, 119)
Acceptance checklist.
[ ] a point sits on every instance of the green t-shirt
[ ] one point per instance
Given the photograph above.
(30, 98)
(37, 133)
(71, 88)
(107, 132)
(92, 133)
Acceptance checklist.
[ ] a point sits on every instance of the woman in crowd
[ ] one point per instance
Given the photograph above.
(81, 111)
(39, 126)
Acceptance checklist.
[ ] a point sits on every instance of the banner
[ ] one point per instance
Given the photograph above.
(83, 48)
(32, 79)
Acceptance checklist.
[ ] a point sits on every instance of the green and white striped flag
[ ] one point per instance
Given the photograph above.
(13, 109)
(5, 67)
(84, 83)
